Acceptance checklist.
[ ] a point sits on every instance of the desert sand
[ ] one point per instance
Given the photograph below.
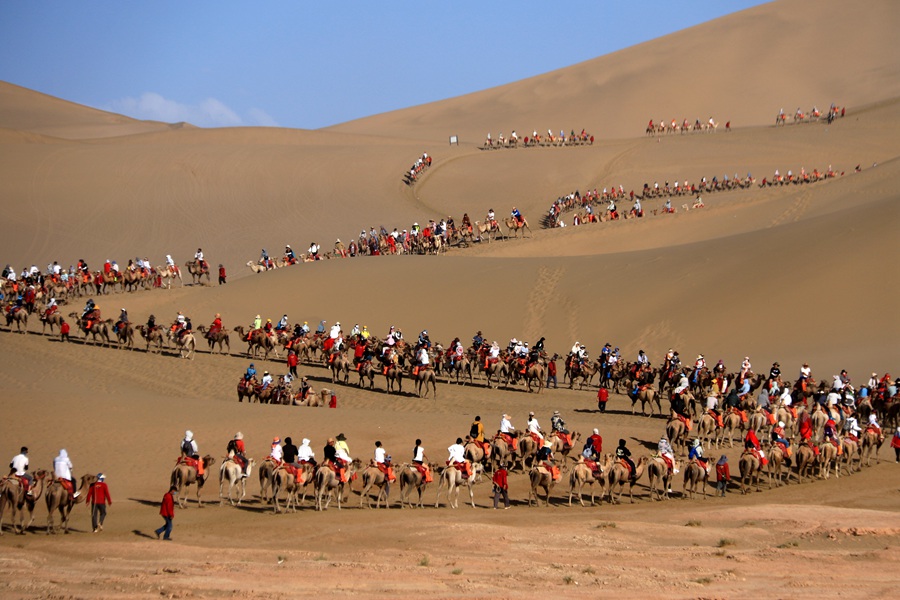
(788, 274)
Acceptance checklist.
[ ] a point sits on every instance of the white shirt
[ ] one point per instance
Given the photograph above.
(420, 454)
(277, 453)
(335, 332)
(786, 397)
(169, 260)
(379, 455)
(805, 371)
(304, 452)
(534, 426)
(20, 464)
(506, 426)
(712, 402)
(495, 352)
(62, 466)
(423, 356)
(199, 255)
(457, 453)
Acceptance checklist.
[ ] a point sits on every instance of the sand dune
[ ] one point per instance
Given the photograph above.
(793, 274)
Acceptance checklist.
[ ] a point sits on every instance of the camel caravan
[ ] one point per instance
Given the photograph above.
(662, 128)
(538, 140)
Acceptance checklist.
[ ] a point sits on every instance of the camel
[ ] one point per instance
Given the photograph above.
(220, 337)
(198, 272)
(339, 367)
(327, 481)
(97, 328)
(185, 343)
(658, 471)
(828, 455)
(58, 500)
(266, 473)
(501, 452)
(423, 378)
(850, 450)
(366, 371)
(231, 472)
(452, 478)
(168, 274)
(586, 372)
(258, 268)
(246, 389)
(777, 459)
(153, 337)
(870, 445)
(806, 458)
(559, 448)
(12, 494)
(498, 370)
(257, 339)
(540, 477)
(284, 479)
(394, 374)
(731, 422)
(619, 475)
(371, 477)
(694, 474)
(527, 451)
(460, 368)
(708, 431)
(535, 372)
(582, 475)
(750, 467)
(677, 433)
(485, 230)
(647, 396)
(513, 226)
(54, 320)
(125, 335)
(410, 478)
(184, 475)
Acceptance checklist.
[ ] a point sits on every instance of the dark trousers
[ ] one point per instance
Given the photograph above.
(551, 378)
(293, 371)
(98, 515)
(501, 493)
(167, 528)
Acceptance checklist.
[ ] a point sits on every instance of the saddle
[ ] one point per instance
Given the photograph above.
(510, 441)
(742, 414)
(784, 448)
(685, 421)
(717, 417)
(594, 467)
(462, 467)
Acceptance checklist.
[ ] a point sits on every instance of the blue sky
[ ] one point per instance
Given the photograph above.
(310, 64)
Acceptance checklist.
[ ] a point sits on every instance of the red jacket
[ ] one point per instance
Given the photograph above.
(723, 472)
(551, 368)
(603, 395)
(168, 506)
(292, 359)
(98, 493)
(596, 443)
(895, 441)
(500, 479)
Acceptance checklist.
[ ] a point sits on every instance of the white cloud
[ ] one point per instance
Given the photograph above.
(208, 113)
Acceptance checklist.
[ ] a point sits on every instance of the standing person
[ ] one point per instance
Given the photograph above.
(501, 486)
(222, 274)
(602, 399)
(551, 371)
(292, 361)
(167, 512)
(98, 497)
(723, 476)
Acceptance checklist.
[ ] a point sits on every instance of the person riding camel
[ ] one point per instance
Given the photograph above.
(420, 462)
(289, 255)
(534, 429)
(664, 449)
(62, 471)
(266, 381)
(624, 454)
(467, 223)
(236, 446)
(52, 307)
(559, 427)
(545, 456)
(874, 427)
(305, 453)
(745, 369)
(517, 216)
(88, 308)
(383, 463)
(508, 433)
(491, 219)
(268, 328)
(151, 324)
(751, 444)
(191, 452)
(696, 454)
(198, 256)
(457, 458)
(277, 452)
(215, 327)
(331, 457)
(19, 467)
(122, 322)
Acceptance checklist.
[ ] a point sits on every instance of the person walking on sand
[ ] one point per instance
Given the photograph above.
(98, 497)
(167, 512)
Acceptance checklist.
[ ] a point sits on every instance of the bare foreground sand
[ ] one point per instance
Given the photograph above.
(800, 273)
